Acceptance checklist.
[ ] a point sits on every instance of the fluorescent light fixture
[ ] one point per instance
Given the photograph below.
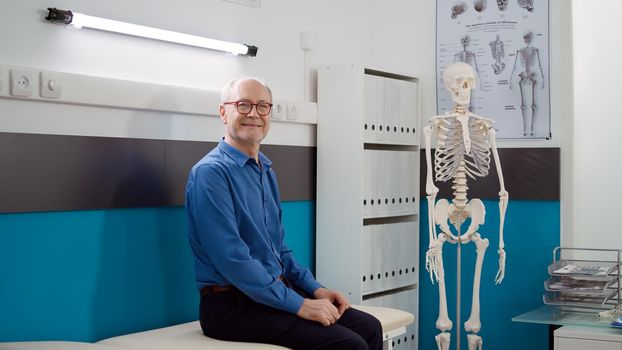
(80, 20)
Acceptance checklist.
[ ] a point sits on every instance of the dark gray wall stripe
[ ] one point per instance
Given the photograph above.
(529, 174)
(57, 172)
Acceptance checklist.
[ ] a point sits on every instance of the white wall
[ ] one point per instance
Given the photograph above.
(393, 35)
(596, 141)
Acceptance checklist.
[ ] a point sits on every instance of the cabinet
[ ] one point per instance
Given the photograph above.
(584, 338)
(368, 188)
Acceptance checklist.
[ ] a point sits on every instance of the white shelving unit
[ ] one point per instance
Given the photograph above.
(368, 188)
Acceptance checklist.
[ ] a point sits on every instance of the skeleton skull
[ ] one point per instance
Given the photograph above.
(458, 9)
(526, 4)
(465, 41)
(480, 5)
(502, 4)
(459, 79)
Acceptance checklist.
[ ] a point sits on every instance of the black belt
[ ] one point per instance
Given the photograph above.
(211, 290)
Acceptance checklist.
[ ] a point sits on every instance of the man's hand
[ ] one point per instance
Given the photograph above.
(335, 297)
(320, 310)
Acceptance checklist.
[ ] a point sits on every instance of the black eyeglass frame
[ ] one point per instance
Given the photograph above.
(256, 105)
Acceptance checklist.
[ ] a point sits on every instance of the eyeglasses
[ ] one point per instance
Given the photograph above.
(244, 107)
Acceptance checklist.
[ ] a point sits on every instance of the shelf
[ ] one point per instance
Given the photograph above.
(368, 189)
(555, 316)
(593, 301)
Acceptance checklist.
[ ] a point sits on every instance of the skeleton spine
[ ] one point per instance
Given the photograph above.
(460, 187)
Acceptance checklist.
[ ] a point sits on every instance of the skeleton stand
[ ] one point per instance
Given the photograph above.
(464, 143)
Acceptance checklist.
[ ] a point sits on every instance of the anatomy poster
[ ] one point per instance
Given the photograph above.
(507, 44)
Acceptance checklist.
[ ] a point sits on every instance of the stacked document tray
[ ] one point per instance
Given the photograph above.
(582, 284)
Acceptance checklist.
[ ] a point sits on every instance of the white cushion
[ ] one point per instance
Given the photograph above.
(391, 319)
(188, 336)
(54, 345)
(184, 336)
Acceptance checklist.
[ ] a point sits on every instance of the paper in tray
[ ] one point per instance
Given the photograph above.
(581, 285)
(556, 298)
(581, 268)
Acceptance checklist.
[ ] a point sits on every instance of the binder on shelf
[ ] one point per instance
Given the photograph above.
(391, 110)
(371, 108)
(371, 260)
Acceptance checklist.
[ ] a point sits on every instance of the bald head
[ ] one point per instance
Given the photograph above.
(230, 88)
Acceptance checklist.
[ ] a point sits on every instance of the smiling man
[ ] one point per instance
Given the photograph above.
(251, 287)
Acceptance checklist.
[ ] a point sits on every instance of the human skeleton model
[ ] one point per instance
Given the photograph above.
(458, 9)
(502, 4)
(526, 4)
(527, 63)
(467, 57)
(480, 5)
(498, 52)
(463, 145)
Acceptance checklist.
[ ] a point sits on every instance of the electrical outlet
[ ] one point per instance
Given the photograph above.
(292, 111)
(21, 82)
(50, 85)
(278, 110)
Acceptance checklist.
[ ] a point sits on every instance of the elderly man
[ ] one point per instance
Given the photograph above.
(251, 287)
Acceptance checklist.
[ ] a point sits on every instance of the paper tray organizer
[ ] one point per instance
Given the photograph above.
(587, 284)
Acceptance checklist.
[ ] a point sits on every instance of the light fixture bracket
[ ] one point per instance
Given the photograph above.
(59, 16)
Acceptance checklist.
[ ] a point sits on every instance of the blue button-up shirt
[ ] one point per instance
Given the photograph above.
(235, 230)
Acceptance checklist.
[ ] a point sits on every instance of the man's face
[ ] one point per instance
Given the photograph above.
(250, 129)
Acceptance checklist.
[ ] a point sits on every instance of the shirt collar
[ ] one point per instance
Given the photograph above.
(239, 157)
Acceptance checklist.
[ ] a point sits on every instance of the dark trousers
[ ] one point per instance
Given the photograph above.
(233, 316)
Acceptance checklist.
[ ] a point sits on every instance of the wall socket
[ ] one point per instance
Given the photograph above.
(50, 85)
(21, 82)
(278, 110)
(292, 111)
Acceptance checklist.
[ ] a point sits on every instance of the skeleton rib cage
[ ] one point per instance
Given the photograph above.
(451, 149)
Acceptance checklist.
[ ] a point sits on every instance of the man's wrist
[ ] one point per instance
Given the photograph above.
(318, 292)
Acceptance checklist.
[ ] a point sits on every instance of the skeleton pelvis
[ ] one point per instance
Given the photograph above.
(446, 213)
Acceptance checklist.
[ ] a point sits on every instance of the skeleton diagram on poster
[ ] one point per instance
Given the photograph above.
(507, 44)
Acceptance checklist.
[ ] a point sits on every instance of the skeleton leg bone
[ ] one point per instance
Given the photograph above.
(533, 104)
(473, 324)
(443, 323)
(523, 105)
(475, 342)
(442, 340)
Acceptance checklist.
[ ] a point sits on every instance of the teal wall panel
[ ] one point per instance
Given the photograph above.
(532, 231)
(89, 275)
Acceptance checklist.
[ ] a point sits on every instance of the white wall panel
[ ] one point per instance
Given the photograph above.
(595, 168)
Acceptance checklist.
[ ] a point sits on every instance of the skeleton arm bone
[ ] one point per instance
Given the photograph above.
(503, 204)
(478, 80)
(431, 191)
(514, 69)
(540, 67)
